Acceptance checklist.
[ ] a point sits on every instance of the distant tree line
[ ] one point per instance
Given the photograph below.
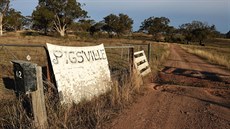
(65, 16)
(228, 35)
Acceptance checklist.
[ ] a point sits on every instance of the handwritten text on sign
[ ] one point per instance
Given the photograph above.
(80, 72)
(79, 56)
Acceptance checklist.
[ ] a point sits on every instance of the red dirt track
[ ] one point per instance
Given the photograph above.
(190, 94)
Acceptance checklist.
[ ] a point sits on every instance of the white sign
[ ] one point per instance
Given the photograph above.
(80, 72)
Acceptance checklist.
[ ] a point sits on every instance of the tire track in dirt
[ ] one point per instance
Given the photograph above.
(190, 94)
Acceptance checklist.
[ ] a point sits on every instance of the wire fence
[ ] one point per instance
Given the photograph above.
(11, 52)
(120, 60)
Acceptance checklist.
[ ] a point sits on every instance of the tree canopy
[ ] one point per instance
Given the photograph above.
(228, 34)
(120, 24)
(13, 20)
(155, 26)
(85, 24)
(42, 18)
(63, 15)
(96, 28)
(197, 31)
(58, 14)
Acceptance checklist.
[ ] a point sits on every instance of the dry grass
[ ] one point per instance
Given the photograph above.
(14, 116)
(87, 114)
(160, 54)
(216, 55)
(17, 38)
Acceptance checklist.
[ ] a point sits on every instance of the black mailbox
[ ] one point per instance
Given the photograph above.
(25, 76)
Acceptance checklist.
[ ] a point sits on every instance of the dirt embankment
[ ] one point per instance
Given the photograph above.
(190, 94)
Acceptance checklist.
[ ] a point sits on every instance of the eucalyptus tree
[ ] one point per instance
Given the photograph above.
(4, 6)
(58, 14)
(197, 31)
(13, 20)
(155, 26)
(119, 24)
(97, 27)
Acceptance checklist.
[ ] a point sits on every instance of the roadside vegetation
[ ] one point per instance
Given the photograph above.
(160, 55)
(88, 114)
(68, 18)
(216, 51)
(50, 24)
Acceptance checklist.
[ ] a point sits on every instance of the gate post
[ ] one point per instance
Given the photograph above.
(131, 64)
(149, 52)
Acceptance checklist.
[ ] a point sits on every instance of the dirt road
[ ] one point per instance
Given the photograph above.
(190, 94)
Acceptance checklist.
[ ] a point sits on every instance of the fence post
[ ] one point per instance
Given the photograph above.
(131, 52)
(149, 52)
(38, 102)
(48, 64)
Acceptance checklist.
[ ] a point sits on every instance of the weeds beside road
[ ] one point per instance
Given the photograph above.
(216, 55)
(190, 94)
(93, 114)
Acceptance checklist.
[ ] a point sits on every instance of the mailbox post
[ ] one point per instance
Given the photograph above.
(28, 80)
(25, 76)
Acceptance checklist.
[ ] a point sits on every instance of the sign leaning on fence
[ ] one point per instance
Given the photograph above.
(141, 63)
(80, 72)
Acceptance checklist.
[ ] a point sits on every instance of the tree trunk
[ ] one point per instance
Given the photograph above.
(59, 27)
(1, 24)
(1, 33)
(200, 43)
(62, 32)
(2, 13)
(45, 31)
(15, 29)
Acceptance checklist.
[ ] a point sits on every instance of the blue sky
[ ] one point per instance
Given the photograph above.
(215, 12)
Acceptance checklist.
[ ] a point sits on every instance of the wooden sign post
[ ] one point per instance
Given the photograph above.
(28, 80)
(38, 102)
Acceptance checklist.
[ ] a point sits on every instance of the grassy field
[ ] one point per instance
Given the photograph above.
(217, 51)
(98, 111)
